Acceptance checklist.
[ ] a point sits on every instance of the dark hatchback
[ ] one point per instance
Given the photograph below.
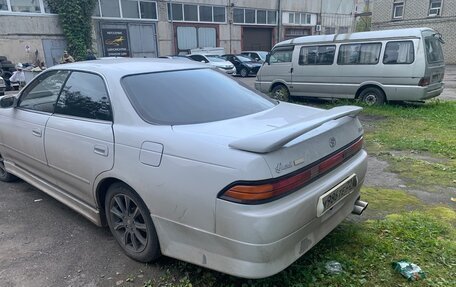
(244, 65)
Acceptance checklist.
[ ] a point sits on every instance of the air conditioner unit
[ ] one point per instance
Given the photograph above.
(317, 28)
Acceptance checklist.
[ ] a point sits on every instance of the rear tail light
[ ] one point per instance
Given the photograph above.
(425, 81)
(267, 190)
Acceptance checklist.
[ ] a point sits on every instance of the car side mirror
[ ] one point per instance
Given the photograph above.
(268, 57)
(8, 102)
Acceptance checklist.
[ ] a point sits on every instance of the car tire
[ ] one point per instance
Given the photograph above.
(130, 223)
(372, 96)
(281, 93)
(4, 175)
(244, 72)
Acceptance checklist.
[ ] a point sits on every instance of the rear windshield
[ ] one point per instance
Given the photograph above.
(433, 49)
(191, 97)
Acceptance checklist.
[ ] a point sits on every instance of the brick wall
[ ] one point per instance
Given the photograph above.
(416, 15)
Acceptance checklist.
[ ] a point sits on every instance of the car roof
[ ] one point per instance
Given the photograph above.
(127, 66)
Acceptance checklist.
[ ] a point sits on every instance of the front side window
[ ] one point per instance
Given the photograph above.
(201, 95)
(281, 55)
(398, 9)
(399, 52)
(359, 54)
(435, 7)
(3, 5)
(317, 55)
(84, 95)
(41, 95)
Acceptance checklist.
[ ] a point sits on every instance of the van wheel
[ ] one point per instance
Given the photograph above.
(372, 96)
(130, 222)
(281, 93)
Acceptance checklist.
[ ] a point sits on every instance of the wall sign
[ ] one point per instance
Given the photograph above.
(115, 42)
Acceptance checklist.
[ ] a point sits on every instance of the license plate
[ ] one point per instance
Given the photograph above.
(336, 194)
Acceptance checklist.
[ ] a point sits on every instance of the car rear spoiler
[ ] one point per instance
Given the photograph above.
(274, 139)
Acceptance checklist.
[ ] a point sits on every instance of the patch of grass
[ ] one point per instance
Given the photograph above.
(389, 200)
(421, 173)
(366, 251)
(428, 127)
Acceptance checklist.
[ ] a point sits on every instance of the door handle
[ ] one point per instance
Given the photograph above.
(101, 150)
(291, 70)
(36, 132)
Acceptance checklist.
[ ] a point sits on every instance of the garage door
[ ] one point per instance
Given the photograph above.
(256, 39)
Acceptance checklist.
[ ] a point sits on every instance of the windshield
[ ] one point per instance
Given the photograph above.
(191, 97)
(215, 58)
(433, 49)
(262, 55)
(244, 58)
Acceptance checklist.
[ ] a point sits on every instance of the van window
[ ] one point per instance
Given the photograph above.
(359, 54)
(281, 55)
(433, 49)
(399, 52)
(317, 55)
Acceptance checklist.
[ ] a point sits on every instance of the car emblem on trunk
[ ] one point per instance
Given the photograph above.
(332, 142)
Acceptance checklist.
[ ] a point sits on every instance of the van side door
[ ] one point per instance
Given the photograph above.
(79, 138)
(314, 73)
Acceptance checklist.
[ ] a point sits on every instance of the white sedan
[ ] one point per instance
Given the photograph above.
(179, 159)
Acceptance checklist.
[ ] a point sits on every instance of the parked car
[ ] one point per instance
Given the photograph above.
(206, 170)
(176, 57)
(244, 65)
(374, 67)
(2, 86)
(215, 61)
(259, 56)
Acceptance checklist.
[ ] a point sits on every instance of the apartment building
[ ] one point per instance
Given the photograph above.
(151, 28)
(439, 15)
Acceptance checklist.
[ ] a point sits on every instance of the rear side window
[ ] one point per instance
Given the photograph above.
(359, 54)
(399, 52)
(433, 49)
(84, 95)
(281, 55)
(191, 97)
(317, 55)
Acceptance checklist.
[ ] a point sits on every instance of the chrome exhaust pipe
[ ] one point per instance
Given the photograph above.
(359, 207)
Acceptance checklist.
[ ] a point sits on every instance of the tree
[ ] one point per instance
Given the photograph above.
(75, 17)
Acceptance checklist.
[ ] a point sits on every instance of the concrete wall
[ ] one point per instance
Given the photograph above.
(17, 32)
(416, 15)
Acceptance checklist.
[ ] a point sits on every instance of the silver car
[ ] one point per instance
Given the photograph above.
(181, 160)
(2, 86)
(216, 61)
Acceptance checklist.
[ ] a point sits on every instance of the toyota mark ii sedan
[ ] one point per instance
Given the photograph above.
(181, 160)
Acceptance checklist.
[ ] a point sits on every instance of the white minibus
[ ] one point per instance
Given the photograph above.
(374, 67)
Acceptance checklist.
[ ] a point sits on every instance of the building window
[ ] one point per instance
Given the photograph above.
(435, 7)
(196, 13)
(398, 9)
(128, 9)
(254, 16)
(29, 6)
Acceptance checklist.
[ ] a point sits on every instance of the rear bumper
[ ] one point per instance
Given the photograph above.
(413, 93)
(256, 241)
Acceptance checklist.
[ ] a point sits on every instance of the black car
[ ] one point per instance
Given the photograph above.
(244, 65)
